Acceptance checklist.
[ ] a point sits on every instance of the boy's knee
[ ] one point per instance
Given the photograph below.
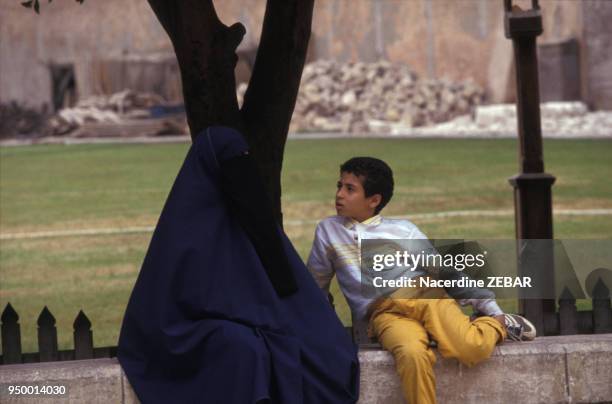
(473, 352)
(414, 355)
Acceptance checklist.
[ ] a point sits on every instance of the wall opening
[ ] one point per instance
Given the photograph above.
(63, 86)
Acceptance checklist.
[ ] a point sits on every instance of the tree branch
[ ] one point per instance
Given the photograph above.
(206, 54)
(270, 98)
(273, 88)
(164, 11)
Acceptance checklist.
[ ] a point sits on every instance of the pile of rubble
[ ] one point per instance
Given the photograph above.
(367, 97)
(17, 120)
(122, 108)
(558, 120)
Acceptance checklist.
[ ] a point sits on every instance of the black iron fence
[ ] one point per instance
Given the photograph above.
(47, 340)
(567, 320)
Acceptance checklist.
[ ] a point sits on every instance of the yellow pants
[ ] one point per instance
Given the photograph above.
(404, 326)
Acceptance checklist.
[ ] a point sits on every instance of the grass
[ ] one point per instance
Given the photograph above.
(51, 187)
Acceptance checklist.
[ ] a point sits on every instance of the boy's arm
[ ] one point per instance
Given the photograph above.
(319, 264)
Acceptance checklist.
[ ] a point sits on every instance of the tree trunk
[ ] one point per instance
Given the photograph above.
(206, 52)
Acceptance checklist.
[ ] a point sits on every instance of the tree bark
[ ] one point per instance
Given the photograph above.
(206, 52)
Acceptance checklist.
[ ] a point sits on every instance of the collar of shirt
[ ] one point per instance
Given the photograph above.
(350, 223)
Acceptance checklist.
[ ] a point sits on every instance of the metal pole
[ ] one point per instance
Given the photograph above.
(532, 186)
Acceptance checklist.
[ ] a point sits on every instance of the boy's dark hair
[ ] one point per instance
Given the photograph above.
(377, 177)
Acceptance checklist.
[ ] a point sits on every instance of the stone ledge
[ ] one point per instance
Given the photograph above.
(86, 381)
(559, 369)
(573, 368)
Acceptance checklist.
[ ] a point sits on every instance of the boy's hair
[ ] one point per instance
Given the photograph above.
(377, 177)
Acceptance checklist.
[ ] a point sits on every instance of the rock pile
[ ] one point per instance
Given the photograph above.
(113, 109)
(558, 120)
(366, 97)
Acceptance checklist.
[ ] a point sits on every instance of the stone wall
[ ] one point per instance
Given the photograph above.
(435, 38)
(597, 53)
(561, 369)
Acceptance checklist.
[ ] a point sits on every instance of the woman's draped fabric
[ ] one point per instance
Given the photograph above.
(208, 323)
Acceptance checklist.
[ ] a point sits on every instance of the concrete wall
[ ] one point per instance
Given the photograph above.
(597, 53)
(437, 38)
(68, 33)
(562, 369)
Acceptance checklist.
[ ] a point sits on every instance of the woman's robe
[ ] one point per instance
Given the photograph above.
(207, 322)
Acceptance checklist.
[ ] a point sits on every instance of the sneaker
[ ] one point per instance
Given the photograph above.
(519, 328)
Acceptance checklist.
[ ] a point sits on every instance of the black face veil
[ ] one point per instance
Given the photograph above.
(224, 310)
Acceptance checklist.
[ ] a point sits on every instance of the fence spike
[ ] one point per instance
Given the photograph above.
(566, 295)
(600, 290)
(602, 311)
(83, 337)
(45, 319)
(11, 336)
(568, 315)
(47, 336)
(81, 321)
(9, 314)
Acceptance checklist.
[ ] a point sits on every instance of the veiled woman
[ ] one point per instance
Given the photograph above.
(224, 310)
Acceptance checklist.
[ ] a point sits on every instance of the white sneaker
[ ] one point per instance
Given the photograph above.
(519, 328)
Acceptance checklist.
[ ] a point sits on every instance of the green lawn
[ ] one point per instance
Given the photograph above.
(44, 188)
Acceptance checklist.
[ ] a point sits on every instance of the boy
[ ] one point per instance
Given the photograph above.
(402, 325)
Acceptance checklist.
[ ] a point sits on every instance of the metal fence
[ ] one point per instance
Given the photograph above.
(47, 340)
(567, 320)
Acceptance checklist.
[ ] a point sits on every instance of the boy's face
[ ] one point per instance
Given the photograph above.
(351, 200)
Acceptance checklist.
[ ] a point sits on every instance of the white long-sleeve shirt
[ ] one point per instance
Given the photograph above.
(336, 250)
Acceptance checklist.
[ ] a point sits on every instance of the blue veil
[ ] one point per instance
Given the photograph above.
(204, 323)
